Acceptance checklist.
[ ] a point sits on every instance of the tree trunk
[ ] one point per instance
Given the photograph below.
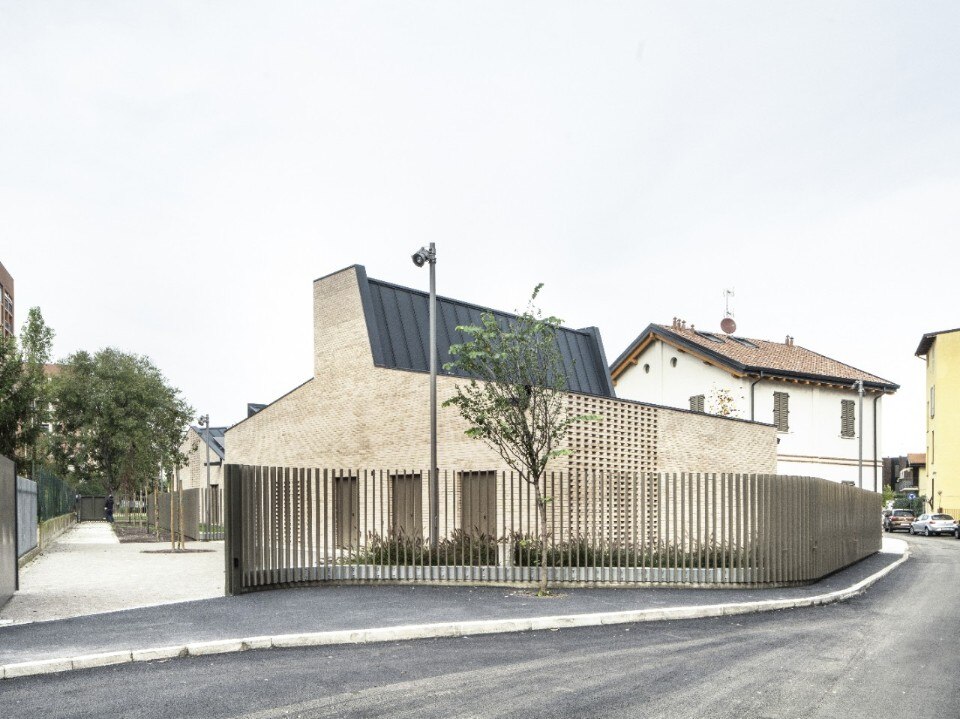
(542, 509)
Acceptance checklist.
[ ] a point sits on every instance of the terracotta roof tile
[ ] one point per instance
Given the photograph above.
(765, 355)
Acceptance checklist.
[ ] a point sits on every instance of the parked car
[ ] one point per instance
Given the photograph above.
(898, 519)
(928, 524)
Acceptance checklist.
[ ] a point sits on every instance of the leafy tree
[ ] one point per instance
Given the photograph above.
(518, 405)
(118, 421)
(23, 387)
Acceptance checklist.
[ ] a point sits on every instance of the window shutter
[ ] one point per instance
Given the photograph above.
(847, 419)
(697, 403)
(781, 411)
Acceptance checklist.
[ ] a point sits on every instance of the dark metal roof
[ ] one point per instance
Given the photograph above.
(213, 437)
(398, 325)
(253, 408)
(927, 340)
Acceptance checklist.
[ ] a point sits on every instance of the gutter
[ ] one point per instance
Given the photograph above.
(876, 487)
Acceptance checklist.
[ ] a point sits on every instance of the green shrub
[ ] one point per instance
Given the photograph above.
(459, 549)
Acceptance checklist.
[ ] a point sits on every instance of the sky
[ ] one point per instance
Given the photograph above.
(174, 175)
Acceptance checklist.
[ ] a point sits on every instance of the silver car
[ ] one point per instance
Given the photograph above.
(927, 524)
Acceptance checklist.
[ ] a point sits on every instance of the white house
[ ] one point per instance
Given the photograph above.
(810, 398)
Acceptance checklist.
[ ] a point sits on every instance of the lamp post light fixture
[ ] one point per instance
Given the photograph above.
(204, 421)
(420, 258)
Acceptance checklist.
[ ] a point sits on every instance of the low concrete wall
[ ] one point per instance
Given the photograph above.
(48, 533)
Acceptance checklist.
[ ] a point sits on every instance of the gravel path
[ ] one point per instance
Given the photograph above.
(88, 571)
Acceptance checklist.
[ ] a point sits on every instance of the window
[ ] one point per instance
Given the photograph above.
(743, 341)
(696, 403)
(931, 401)
(847, 419)
(673, 361)
(646, 368)
(709, 336)
(781, 411)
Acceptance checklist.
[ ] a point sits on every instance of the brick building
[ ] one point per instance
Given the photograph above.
(366, 405)
(6, 303)
(195, 448)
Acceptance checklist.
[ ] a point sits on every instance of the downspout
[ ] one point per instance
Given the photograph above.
(875, 399)
(754, 384)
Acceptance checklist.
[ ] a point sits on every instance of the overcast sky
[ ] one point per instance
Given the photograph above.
(173, 175)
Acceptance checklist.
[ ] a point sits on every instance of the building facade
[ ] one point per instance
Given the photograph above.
(7, 316)
(941, 351)
(204, 450)
(366, 404)
(808, 397)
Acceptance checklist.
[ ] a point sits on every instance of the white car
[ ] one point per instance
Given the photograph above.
(927, 524)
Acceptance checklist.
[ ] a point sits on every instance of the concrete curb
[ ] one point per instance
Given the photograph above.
(445, 629)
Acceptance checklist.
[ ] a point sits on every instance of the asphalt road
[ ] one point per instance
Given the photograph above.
(888, 653)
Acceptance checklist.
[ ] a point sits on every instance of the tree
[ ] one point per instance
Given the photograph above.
(118, 421)
(23, 387)
(517, 407)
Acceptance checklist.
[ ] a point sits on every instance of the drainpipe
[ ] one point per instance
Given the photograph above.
(875, 485)
(754, 384)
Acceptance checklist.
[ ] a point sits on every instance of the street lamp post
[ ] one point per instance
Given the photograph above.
(858, 385)
(420, 258)
(204, 421)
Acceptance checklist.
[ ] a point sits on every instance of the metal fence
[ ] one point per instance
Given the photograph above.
(202, 512)
(27, 527)
(54, 496)
(293, 525)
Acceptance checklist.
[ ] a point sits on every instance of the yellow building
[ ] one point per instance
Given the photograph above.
(942, 481)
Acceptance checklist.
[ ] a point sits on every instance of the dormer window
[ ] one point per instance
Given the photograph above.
(709, 336)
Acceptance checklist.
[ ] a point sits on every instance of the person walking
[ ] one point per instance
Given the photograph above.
(108, 508)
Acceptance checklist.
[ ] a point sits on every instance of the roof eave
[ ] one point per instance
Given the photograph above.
(771, 373)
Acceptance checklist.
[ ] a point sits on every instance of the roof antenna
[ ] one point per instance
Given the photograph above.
(727, 324)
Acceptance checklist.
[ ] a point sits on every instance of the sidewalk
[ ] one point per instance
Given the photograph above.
(88, 571)
(350, 614)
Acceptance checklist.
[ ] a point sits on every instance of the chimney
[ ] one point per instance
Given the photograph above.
(789, 341)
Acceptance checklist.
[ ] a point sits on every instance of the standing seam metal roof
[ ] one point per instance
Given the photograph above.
(214, 436)
(398, 325)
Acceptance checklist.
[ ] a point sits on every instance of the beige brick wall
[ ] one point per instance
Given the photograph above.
(353, 414)
(194, 473)
(689, 441)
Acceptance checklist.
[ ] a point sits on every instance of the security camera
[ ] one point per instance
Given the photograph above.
(421, 257)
